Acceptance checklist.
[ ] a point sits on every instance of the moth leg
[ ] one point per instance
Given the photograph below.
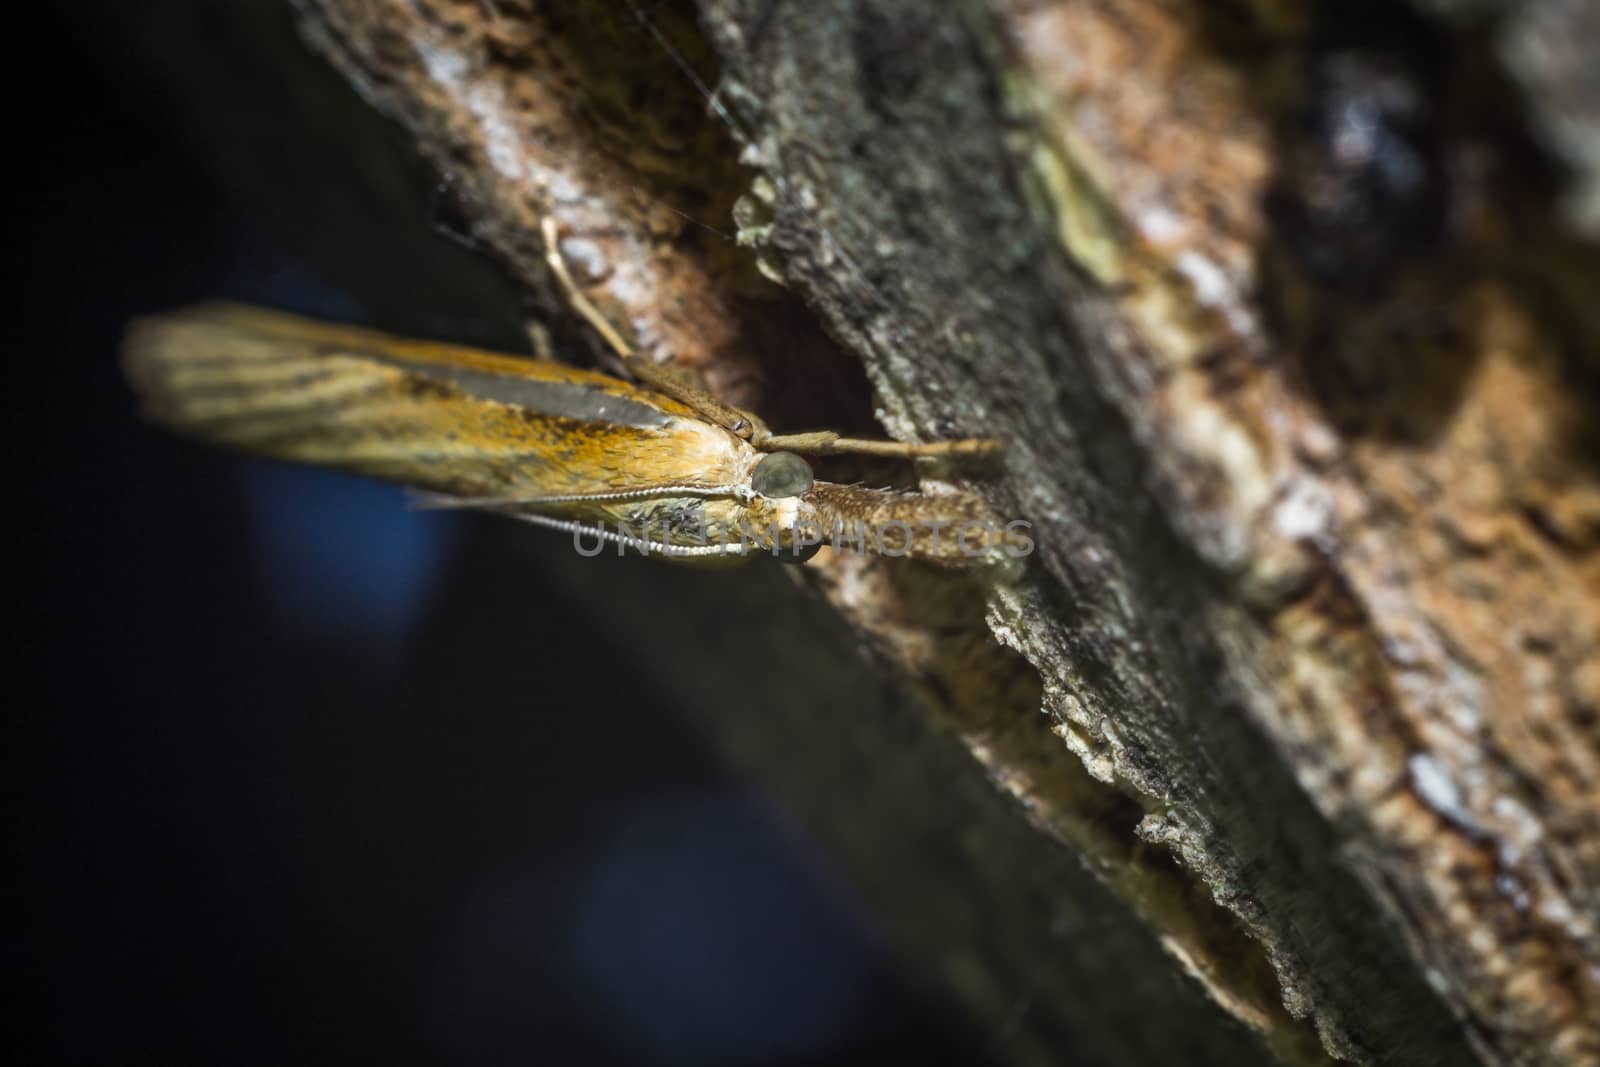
(580, 303)
(662, 379)
(828, 443)
(539, 334)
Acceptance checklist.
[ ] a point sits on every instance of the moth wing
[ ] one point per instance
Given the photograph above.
(439, 417)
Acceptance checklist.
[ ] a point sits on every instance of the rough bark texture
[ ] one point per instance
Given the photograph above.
(1289, 327)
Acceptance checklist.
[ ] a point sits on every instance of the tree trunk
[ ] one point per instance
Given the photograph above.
(1280, 310)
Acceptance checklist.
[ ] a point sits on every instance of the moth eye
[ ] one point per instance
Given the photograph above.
(781, 474)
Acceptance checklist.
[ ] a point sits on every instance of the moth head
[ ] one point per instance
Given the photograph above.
(786, 527)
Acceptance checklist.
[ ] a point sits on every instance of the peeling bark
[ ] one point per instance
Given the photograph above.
(1306, 427)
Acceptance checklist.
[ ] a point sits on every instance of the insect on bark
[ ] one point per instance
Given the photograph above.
(657, 466)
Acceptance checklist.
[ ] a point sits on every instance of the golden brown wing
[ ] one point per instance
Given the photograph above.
(441, 417)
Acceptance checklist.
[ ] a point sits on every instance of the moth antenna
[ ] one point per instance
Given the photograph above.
(426, 501)
(690, 219)
(638, 544)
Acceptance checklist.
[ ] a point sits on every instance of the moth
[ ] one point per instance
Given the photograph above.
(656, 465)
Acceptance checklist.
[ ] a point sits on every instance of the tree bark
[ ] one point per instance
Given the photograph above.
(1285, 315)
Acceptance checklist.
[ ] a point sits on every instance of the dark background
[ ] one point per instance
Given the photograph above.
(303, 774)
